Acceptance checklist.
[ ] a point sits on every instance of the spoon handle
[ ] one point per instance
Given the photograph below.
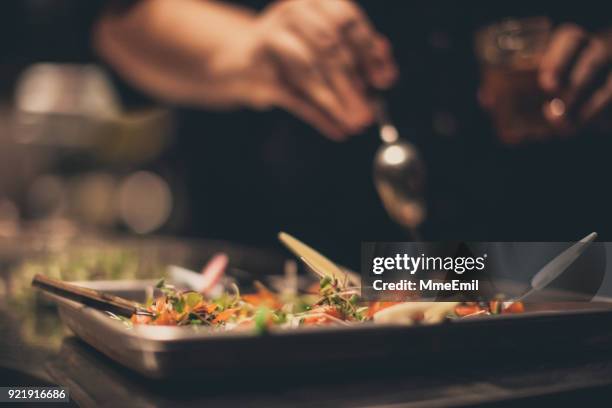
(381, 113)
(554, 268)
(388, 131)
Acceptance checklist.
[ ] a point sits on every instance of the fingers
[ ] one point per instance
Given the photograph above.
(312, 26)
(352, 96)
(587, 75)
(371, 50)
(327, 55)
(380, 64)
(565, 45)
(301, 75)
(576, 72)
(337, 64)
(599, 103)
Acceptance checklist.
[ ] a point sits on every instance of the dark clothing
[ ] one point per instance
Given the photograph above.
(47, 30)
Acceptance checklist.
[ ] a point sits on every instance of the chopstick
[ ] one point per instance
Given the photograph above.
(90, 297)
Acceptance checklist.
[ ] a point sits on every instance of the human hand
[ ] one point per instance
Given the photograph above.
(314, 58)
(576, 70)
(317, 59)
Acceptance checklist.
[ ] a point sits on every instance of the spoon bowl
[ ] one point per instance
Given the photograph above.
(399, 174)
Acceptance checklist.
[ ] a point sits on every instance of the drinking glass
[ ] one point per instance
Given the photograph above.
(510, 53)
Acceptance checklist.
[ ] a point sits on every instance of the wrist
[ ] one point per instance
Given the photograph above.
(240, 67)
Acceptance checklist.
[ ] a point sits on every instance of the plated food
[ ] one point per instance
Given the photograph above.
(335, 300)
(215, 302)
(207, 324)
(329, 303)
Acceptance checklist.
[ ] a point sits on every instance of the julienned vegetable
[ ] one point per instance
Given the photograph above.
(334, 304)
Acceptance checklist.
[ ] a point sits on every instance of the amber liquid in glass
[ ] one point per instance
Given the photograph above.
(517, 101)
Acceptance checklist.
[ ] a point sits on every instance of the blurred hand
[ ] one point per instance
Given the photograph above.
(576, 70)
(317, 59)
(314, 58)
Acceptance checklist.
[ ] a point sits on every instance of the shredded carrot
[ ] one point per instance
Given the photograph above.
(224, 315)
(468, 309)
(262, 298)
(140, 319)
(516, 307)
(320, 315)
(378, 306)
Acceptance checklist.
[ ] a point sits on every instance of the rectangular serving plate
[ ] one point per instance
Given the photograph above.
(162, 352)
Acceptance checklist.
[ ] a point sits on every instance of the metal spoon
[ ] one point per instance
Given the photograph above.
(399, 174)
(553, 269)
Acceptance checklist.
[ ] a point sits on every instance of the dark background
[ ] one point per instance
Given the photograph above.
(250, 174)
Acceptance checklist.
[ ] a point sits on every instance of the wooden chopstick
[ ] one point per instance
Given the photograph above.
(90, 297)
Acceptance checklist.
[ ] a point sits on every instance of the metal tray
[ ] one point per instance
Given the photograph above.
(161, 352)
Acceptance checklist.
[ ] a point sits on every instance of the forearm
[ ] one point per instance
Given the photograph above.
(171, 48)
